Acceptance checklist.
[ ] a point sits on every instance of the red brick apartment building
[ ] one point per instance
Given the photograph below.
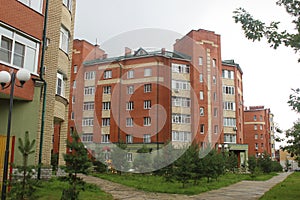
(233, 110)
(151, 97)
(258, 130)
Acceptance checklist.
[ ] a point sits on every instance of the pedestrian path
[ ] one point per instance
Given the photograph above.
(244, 190)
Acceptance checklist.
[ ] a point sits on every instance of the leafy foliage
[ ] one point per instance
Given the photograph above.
(293, 143)
(255, 29)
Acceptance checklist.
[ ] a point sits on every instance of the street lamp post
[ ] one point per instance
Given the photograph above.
(6, 78)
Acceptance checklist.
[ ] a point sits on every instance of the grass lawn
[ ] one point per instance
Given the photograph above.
(289, 189)
(153, 183)
(52, 190)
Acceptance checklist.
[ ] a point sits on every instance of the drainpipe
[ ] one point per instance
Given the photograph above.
(157, 99)
(120, 93)
(44, 88)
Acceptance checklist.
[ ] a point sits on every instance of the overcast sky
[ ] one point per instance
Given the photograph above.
(268, 74)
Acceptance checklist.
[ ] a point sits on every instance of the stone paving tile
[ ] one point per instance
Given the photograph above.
(245, 190)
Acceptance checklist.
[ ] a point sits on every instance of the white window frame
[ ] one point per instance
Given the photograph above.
(129, 105)
(105, 138)
(147, 121)
(10, 54)
(147, 72)
(201, 95)
(129, 139)
(147, 138)
(147, 88)
(88, 121)
(68, 4)
(130, 74)
(60, 85)
(89, 75)
(201, 78)
(178, 118)
(147, 104)
(106, 105)
(107, 89)
(105, 122)
(129, 157)
(229, 122)
(130, 89)
(129, 122)
(181, 136)
(88, 105)
(90, 90)
(107, 74)
(87, 137)
(214, 62)
(75, 69)
(201, 111)
(200, 61)
(180, 68)
(36, 5)
(181, 85)
(181, 102)
(64, 39)
(202, 128)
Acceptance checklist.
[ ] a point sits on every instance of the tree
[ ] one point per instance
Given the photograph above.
(214, 165)
(255, 29)
(231, 162)
(293, 143)
(26, 188)
(251, 164)
(76, 162)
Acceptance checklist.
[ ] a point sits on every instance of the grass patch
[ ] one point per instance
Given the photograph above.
(286, 190)
(153, 183)
(52, 190)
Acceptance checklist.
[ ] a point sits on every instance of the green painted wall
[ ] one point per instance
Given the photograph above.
(25, 117)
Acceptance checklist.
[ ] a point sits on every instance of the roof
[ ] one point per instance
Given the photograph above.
(140, 53)
(232, 63)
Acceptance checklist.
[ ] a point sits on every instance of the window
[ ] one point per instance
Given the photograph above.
(88, 121)
(201, 111)
(75, 69)
(201, 78)
(215, 96)
(230, 138)
(260, 118)
(202, 128)
(256, 136)
(36, 5)
(214, 80)
(147, 121)
(181, 136)
(254, 117)
(129, 139)
(261, 136)
(74, 84)
(105, 138)
(228, 121)
(89, 75)
(130, 89)
(88, 105)
(89, 90)
(200, 61)
(181, 118)
(262, 145)
(261, 127)
(229, 105)
(201, 96)
(72, 115)
(129, 122)
(107, 90)
(130, 74)
(17, 50)
(105, 122)
(256, 146)
(147, 138)
(227, 74)
(255, 127)
(68, 4)
(147, 104)
(148, 72)
(215, 112)
(214, 62)
(147, 88)
(64, 39)
(60, 85)
(130, 105)
(73, 99)
(180, 85)
(216, 129)
(107, 74)
(129, 157)
(181, 102)
(87, 137)
(180, 68)
(106, 105)
(228, 90)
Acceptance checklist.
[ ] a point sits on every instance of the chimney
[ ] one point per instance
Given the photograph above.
(163, 51)
(104, 56)
(127, 51)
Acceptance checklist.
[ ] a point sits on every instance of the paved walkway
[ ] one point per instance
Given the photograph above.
(245, 190)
